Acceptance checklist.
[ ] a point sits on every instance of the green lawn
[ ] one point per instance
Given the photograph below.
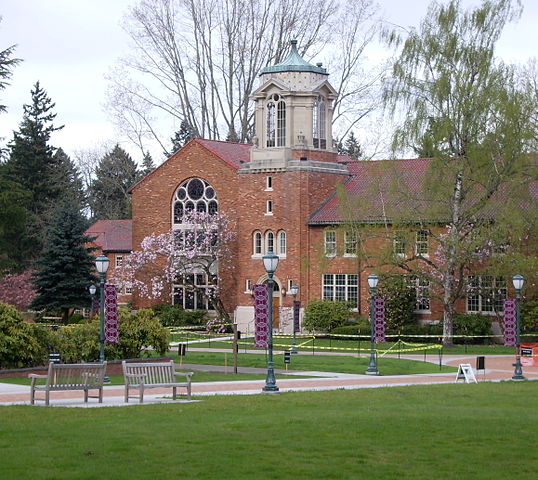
(323, 363)
(479, 431)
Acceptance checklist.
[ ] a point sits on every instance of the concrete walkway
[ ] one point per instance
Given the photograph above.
(498, 368)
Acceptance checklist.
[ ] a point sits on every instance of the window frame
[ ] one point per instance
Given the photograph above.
(329, 244)
(479, 300)
(341, 287)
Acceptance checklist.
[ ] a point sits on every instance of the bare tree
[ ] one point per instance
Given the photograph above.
(197, 61)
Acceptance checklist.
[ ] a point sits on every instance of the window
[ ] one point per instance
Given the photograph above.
(276, 122)
(399, 244)
(194, 194)
(281, 124)
(128, 290)
(269, 207)
(350, 243)
(248, 285)
(290, 284)
(270, 242)
(257, 244)
(422, 292)
(192, 291)
(318, 124)
(330, 243)
(119, 261)
(486, 294)
(341, 287)
(421, 243)
(269, 183)
(282, 243)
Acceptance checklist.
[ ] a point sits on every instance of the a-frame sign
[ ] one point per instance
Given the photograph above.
(465, 372)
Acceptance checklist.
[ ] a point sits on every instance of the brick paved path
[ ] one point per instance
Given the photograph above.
(498, 368)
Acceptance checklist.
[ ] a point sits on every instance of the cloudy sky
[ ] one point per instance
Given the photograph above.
(70, 45)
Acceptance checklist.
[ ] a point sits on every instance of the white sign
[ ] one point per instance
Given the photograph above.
(465, 372)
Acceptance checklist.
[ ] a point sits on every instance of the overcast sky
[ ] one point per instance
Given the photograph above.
(69, 45)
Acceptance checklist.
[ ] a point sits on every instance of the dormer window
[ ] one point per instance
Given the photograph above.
(319, 137)
(276, 122)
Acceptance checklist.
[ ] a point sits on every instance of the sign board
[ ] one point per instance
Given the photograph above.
(111, 314)
(465, 372)
(287, 357)
(261, 315)
(296, 309)
(379, 319)
(509, 323)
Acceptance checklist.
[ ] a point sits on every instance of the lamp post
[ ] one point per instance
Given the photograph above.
(270, 263)
(92, 289)
(101, 264)
(294, 291)
(518, 282)
(373, 280)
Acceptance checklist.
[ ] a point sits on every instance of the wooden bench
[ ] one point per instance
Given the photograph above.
(140, 376)
(74, 376)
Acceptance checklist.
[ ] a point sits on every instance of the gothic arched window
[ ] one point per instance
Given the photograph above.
(194, 194)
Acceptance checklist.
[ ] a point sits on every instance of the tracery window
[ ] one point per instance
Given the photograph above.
(194, 194)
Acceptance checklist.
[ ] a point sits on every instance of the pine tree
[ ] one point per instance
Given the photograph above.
(7, 62)
(66, 177)
(66, 266)
(109, 194)
(32, 165)
(352, 147)
(147, 165)
(182, 136)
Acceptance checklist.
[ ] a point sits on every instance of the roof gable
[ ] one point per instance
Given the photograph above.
(112, 235)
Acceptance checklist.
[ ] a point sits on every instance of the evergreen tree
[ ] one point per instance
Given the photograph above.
(351, 147)
(182, 136)
(109, 194)
(66, 266)
(7, 62)
(32, 165)
(13, 218)
(147, 165)
(67, 179)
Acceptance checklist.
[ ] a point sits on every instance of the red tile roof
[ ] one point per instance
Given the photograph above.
(377, 181)
(234, 154)
(112, 235)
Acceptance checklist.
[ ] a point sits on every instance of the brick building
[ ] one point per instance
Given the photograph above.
(281, 192)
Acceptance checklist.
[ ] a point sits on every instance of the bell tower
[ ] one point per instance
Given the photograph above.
(293, 118)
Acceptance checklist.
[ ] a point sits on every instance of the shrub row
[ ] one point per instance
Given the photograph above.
(26, 345)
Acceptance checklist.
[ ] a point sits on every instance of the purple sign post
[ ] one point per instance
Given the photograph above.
(111, 314)
(261, 316)
(510, 336)
(379, 316)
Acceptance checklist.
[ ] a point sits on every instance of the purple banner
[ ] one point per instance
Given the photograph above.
(510, 335)
(379, 319)
(261, 316)
(111, 314)
(296, 310)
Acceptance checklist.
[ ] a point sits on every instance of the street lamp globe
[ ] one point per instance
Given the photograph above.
(294, 290)
(270, 263)
(101, 264)
(92, 289)
(518, 282)
(373, 280)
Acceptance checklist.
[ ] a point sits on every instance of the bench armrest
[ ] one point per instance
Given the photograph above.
(184, 374)
(35, 375)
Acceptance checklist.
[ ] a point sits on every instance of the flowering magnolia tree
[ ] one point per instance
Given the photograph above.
(17, 289)
(201, 245)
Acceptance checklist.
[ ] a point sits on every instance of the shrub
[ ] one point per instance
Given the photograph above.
(79, 343)
(139, 331)
(472, 324)
(19, 346)
(76, 318)
(362, 327)
(324, 315)
(174, 316)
